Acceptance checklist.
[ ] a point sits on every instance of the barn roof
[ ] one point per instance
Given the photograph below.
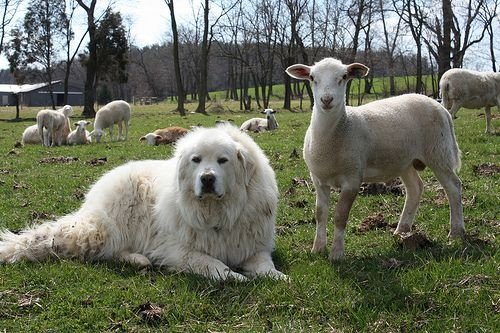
(23, 88)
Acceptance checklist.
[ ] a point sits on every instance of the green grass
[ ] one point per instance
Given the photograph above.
(445, 287)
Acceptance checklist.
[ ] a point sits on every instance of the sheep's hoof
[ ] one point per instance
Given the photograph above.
(402, 229)
(318, 247)
(458, 233)
(336, 256)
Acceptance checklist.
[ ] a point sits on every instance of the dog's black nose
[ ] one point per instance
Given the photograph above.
(208, 180)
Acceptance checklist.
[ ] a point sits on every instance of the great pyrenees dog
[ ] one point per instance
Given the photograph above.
(209, 210)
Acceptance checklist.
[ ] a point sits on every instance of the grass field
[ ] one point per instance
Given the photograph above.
(380, 286)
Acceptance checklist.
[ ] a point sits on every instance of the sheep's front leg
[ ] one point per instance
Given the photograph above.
(346, 199)
(111, 132)
(321, 215)
(261, 264)
(487, 112)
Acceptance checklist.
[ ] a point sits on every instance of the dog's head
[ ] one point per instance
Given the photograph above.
(212, 165)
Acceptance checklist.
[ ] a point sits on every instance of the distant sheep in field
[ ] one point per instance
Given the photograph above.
(164, 136)
(376, 142)
(116, 112)
(470, 89)
(80, 135)
(261, 124)
(57, 124)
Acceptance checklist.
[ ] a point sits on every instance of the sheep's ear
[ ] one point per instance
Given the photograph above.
(299, 71)
(248, 165)
(356, 70)
(158, 137)
(88, 122)
(142, 138)
(263, 112)
(76, 124)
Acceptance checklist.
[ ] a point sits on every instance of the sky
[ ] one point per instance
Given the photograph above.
(149, 20)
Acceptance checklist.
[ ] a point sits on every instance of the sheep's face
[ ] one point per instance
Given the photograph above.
(151, 139)
(329, 78)
(81, 125)
(97, 134)
(269, 113)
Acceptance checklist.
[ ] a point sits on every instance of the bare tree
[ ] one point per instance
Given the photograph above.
(70, 56)
(44, 25)
(391, 37)
(9, 9)
(487, 14)
(412, 14)
(181, 95)
(91, 65)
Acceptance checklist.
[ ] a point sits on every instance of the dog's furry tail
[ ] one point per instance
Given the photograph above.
(68, 237)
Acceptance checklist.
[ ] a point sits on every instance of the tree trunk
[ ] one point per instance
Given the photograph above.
(90, 80)
(181, 95)
(202, 87)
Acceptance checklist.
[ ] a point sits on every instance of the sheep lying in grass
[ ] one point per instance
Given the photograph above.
(261, 124)
(31, 136)
(116, 112)
(57, 124)
(80, 135)
(376, 142)
(470, 89)
(164, 136)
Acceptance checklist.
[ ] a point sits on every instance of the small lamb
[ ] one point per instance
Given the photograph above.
(115, 112)
(261, 124)
(164, 136)
(470, 89)
(376, 142)
(57, 124)
(80, 135)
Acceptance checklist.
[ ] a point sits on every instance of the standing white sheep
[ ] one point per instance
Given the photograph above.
(470, 89)
(115, 112)
(261, 124)
(57, 124)
(80, 135)
(376, 142)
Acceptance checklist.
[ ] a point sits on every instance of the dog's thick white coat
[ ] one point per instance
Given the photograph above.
(161, 213)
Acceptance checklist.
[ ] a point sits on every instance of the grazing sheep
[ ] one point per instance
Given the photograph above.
(115, 112)
(57, 124)
(376, 142)
(261, 124)
(80, 135)
(164, 135)
(470, 89)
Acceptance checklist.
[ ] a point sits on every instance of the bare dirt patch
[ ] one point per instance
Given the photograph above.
(413, 241)
(395, 187)
(98, 161)
(373, 222)
(59, 160)
(486, 169)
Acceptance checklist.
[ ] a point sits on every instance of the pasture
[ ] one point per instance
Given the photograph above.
(432, 285)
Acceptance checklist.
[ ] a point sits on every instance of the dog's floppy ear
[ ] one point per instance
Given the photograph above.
(248, 164)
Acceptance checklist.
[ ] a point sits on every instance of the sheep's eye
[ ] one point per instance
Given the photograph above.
(222, 160)
(311, 78)
(344, 77)
(196, 159)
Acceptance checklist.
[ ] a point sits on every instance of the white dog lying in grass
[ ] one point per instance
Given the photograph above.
(209, 209)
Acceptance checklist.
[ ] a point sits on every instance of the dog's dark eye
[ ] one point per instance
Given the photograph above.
(222, 160)
(196, 159)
